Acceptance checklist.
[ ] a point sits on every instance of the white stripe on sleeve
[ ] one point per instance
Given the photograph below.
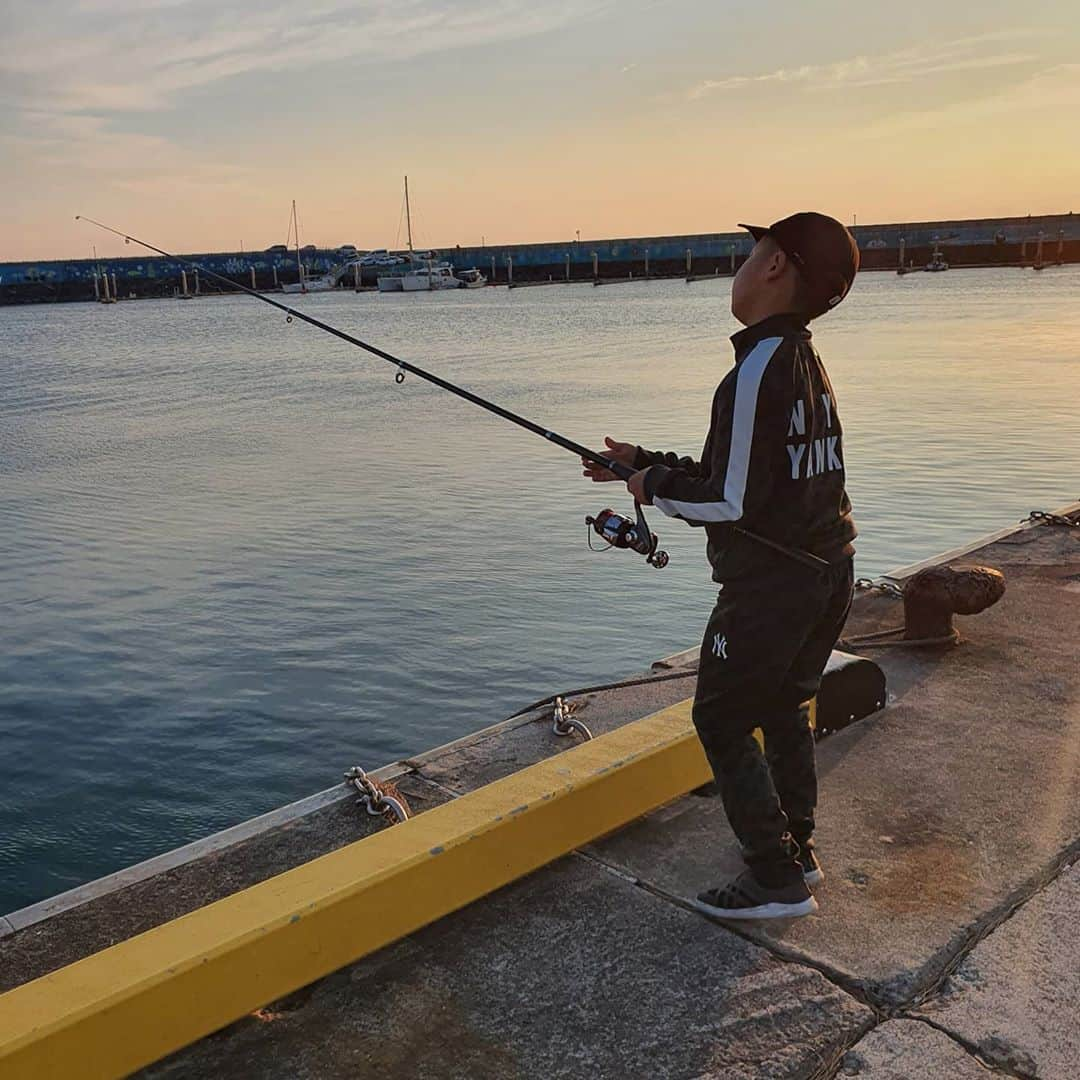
(747, 384)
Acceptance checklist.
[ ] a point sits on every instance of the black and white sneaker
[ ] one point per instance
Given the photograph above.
(746, 898)
(812, 872)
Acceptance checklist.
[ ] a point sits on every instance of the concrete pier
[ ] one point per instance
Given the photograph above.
(985, 242)
(947, 939)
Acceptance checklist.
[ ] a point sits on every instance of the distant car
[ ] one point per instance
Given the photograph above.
(277, 249)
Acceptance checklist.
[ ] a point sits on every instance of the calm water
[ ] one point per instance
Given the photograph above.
(238, 558)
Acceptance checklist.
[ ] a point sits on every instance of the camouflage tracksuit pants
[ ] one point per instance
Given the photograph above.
(766, 644)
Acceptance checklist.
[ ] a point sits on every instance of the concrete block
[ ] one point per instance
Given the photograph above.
(572, 972)
(906, 1049)
(70, 935)
(934, 813)
(1017, 994)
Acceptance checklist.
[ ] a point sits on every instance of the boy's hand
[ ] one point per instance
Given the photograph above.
(636, 486)
(622, 452)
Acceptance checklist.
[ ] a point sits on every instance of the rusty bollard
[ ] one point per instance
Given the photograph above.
(934, 595)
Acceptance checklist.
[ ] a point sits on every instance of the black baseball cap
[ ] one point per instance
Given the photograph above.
(823, 251)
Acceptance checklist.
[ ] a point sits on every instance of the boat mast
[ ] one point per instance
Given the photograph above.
(296, 233)
(408, 216)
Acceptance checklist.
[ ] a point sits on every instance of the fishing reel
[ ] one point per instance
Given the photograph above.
(620, 532)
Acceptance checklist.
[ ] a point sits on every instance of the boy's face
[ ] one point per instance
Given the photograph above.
(763, 284)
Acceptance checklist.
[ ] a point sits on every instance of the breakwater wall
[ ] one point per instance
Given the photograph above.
(1013, 241)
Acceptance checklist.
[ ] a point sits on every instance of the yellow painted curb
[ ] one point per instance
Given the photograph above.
(137, 1001)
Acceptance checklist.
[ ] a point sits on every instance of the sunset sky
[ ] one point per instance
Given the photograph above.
(194, 123)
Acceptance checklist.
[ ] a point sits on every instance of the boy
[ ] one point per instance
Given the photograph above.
(769, 491)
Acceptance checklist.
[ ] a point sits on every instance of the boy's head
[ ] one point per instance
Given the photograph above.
(803, 264)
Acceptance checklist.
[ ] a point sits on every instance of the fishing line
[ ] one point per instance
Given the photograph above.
(615, 529)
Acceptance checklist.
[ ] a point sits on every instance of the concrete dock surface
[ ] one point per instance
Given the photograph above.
(947, 943)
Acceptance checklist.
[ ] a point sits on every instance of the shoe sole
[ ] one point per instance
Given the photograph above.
(814, 877)
(762, 911)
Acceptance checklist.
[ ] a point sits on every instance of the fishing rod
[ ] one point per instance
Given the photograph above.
(615, 529)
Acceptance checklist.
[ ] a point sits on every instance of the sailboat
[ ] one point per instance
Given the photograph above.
(422, 275)
(392, 282)
(304, 284)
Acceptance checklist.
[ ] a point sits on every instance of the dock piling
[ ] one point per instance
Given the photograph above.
(253, 277)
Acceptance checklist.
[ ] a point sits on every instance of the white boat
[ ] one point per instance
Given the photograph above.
(389, 283)
(937, 262)
(323, 283)
(430, 277)
(471, 278)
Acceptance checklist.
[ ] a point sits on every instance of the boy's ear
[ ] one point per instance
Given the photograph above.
(777, 264)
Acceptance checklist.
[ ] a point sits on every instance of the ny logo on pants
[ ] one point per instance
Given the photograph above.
(719, 647)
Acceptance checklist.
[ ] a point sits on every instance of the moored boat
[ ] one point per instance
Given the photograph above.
(937, 262)
(430, 277)
(471, 278)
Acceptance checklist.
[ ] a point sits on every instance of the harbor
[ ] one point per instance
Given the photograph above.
(540, 542)
(1020, 242)
(946, 943)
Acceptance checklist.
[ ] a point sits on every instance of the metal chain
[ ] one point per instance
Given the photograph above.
(1051, 519)
(886, 588)
(563, 723)
(375, 798)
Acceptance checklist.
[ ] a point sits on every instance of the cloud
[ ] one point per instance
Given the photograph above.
(59, 144)
(1057, 87)
(133, 55)
(900, 66)
(72, 71)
